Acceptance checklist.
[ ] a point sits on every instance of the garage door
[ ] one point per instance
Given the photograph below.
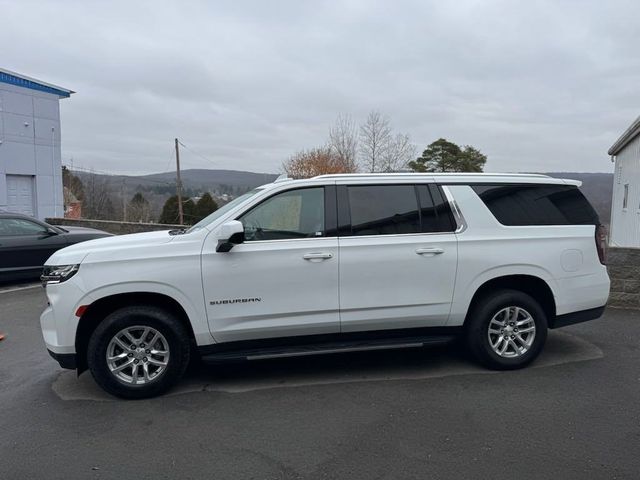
(20, 197)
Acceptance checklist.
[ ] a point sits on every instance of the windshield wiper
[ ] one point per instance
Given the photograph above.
(178, 231)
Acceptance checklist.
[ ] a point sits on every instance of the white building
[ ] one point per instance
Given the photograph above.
(30, 158)
(625, 205)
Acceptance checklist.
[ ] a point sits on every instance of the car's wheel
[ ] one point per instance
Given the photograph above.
(138, 352)
(506, 330)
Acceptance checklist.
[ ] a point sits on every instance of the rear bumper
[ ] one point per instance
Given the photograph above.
(576, 317)
(66, 360)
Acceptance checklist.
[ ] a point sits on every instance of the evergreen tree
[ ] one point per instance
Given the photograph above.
(445, 156)
(170, 213)
(205, 206)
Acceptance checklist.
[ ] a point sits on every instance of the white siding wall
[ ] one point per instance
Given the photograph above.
(625, 223)
(30, 145)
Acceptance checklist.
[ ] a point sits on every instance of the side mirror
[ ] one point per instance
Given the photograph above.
(50, 232)
(230, 234)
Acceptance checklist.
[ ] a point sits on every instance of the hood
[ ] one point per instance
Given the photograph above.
(74, 230)
(77, 252)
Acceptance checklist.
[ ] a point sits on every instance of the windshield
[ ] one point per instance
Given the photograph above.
(222, 210)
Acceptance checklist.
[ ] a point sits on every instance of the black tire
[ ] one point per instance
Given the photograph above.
(477, 328)
(162, 321)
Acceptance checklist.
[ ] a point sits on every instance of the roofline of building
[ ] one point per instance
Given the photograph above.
(630, 133)
(19, 80)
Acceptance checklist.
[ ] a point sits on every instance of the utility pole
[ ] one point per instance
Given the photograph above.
(124, 202)
(179, 185)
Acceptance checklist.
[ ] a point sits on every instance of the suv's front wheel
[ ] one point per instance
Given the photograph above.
(506, 330)
(138, 352)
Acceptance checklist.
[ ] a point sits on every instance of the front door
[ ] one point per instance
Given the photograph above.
(398, 257)
(283, 280)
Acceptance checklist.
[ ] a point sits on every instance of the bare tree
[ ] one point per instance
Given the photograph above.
(399, 153)
(317, 161)
(375, 139)
(343, 141)
(97, 202)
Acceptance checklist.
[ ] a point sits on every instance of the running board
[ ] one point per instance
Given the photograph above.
(325, 348)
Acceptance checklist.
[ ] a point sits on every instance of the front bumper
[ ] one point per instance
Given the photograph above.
(66, 360)
(58, 321)
(51, 334)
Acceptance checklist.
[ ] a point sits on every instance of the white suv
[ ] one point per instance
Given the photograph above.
(330, 264)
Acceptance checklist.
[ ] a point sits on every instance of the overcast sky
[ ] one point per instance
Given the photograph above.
(535, 85)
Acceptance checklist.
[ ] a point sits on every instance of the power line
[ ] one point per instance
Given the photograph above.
(196, 153)
(171, 157)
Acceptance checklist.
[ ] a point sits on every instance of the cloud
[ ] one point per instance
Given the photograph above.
(537, 86)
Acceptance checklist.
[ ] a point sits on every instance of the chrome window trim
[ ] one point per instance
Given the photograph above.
(457, 214)
(387, 235)
(253, 242)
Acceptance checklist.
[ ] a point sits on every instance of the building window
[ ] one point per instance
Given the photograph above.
(625, 198)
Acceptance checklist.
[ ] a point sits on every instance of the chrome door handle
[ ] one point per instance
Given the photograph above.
(317, 256)
(429, 251)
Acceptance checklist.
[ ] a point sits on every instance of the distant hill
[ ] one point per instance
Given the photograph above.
(196, 179)
(597, 187)
(204, 178)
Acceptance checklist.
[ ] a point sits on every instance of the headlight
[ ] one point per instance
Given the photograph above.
(58, 273)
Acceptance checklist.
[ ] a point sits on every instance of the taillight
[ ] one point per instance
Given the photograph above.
(601, 243)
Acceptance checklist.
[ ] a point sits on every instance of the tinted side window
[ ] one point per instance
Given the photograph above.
(383, 209)
(291, 214)
(435, 213)
(537, 204)
(446, 223)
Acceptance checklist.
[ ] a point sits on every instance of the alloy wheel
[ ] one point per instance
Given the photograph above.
(137, 355)
(511, 332)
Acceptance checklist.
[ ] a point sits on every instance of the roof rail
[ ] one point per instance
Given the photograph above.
(430, 174)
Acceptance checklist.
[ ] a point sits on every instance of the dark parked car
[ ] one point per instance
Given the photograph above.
(26, 243)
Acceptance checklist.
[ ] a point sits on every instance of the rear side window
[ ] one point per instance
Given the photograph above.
(434, 210)
(383, 209)
(397, 209)
(525, 204)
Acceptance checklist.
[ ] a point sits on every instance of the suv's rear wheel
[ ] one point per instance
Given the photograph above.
(138, 352)
(506, 330)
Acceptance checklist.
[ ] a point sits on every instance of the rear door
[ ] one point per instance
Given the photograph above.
(398, 256)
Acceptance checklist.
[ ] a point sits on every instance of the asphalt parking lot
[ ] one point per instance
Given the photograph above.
(397, 414)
